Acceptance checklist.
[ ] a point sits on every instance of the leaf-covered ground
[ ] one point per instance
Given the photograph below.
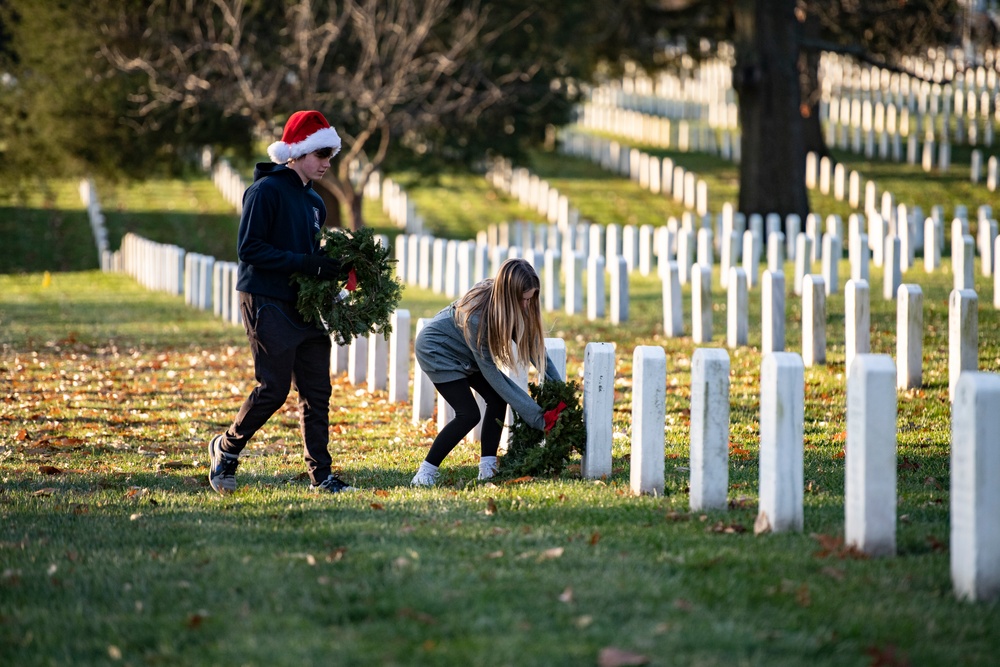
(113, 549)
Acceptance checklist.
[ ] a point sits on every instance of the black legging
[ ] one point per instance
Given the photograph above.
(458, 393)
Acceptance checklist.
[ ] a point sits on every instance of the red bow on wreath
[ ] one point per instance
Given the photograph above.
(553, 415)
(352, 281)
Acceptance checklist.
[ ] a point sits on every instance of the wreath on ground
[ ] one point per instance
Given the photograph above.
(369, 307)
(535, 453)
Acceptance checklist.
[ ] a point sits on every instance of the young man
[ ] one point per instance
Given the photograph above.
(282, 216)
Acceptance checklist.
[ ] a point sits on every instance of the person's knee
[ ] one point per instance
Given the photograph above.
(468, 418)
(273, 394)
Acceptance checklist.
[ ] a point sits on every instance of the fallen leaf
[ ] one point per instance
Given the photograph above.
(595, 538)
(887, 656)
(518, 480)
(22, 435)
(495, 554)
(47, 491)
(936, 544)
(50, 470)
(377, 506)
(833, 546)
(491, 507)
(566, 596)
(554, 552)
(727, 528)
(381, 493)
(194, 621)
(802, 596)
(616, 657)
(336, 555)
(62, 442)
(762, 524)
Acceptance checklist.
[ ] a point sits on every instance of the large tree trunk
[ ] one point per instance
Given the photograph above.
(334, 214)
(766, 78)
(340, 197)
(809, 81)
(357, 213)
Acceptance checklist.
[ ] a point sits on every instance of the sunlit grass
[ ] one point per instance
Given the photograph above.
(114, 549)
(113, 542)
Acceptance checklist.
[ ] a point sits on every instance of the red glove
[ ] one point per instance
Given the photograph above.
(352, 281)
(552, 415)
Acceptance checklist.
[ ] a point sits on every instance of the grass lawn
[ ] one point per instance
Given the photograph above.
(113, 549)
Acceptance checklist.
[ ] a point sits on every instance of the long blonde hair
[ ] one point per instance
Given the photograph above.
(503, 319)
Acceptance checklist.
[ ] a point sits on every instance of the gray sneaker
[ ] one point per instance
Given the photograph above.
(332, 484)
(222, 472)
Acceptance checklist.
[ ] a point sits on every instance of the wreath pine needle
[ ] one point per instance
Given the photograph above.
(366, 310)
(531, 452)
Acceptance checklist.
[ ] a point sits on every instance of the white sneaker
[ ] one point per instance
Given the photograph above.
(487, 467)
(427, 475)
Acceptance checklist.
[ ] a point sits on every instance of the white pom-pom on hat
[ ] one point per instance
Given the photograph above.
(305, 132)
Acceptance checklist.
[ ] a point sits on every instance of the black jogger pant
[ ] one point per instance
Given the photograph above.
(287, 352)
(458, 393)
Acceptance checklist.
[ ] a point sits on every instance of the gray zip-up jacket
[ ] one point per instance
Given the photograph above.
(444, 356)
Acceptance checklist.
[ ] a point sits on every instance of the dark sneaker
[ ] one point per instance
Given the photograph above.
(222, 472)
(331, 485)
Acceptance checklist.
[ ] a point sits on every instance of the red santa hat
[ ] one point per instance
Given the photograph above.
(305, 132)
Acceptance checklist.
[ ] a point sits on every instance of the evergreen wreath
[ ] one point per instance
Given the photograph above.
(367, 309)
(531, 452)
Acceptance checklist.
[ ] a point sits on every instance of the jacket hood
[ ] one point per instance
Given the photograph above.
(265, 169)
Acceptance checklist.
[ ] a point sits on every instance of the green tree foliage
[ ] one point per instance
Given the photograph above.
(64, 111)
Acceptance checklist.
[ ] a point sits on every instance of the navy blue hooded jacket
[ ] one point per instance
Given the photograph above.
(279, 226)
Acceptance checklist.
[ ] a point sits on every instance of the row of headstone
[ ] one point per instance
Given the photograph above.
(695, 94)
(663, 176)
(870, 461)
(660, 176)
(992, 170)
(904, 222)
(861, 126)
(203, 281)
(661, 131)
(970, 94)
(861, 108)
(451, 268)
(532, 191)
(227, 180)
(382, 363)
(821, 173)
(395, 202)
